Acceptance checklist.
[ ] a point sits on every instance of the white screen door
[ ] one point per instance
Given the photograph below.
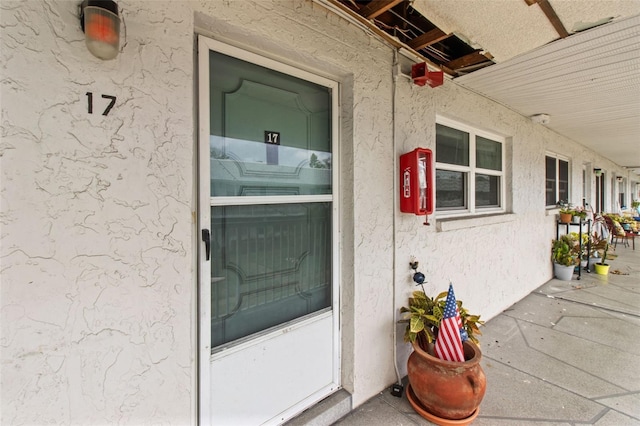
(269, 344)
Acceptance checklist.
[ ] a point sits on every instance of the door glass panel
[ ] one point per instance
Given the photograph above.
(270, 264)
(270, 135)
(270, 132)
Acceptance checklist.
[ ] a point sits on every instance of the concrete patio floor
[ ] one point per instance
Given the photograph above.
(567, 354)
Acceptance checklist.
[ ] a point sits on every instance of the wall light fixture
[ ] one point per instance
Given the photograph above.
(100, 23)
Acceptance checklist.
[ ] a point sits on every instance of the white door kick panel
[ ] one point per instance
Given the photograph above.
(291, 365)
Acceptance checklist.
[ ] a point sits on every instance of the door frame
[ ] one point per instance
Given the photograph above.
(600, 193)
(203, 216)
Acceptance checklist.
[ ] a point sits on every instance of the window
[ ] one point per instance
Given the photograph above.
(469, 170)
(557, 180)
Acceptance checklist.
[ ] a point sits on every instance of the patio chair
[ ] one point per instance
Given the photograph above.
(619, 233)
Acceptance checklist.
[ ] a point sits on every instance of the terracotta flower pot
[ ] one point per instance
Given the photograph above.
(450, 390)
(565, 217)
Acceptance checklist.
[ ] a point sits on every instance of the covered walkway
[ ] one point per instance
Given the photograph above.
(567, 354)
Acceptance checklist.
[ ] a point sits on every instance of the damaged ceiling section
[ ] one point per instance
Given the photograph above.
(575, 62)
(449, 51)
(494, 31)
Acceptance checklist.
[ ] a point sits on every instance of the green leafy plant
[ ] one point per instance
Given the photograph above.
(579, 212)
(565, 207)
(585, 242)
(605, 250)
(424, 314)
(626, 218)
(620, 218)
(565, 250)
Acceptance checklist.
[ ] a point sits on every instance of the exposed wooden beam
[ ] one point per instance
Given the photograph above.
(377, 7)
(427, 39)
(466, 60)
(365, 23)
(552, 16)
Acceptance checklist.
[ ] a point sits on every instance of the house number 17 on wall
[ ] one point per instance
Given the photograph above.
(112, 102)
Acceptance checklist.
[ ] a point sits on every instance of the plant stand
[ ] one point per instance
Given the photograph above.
(567, 226)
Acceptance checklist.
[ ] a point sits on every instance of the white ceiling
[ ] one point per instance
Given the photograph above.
(588, 83)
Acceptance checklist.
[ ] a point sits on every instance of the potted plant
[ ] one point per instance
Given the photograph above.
(565, 254)
(602, 268)
(579, 213)
(584, 253)
(597, 246)
(566, 212)
(626, 221)
(442, 391)
(424, 314)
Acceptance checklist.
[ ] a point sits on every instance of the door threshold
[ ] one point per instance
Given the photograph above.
(326, 412)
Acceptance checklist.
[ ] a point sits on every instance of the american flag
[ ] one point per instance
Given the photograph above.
(449, 343)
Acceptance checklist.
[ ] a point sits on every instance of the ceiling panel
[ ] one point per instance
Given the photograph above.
(589, 83)
(505, 28)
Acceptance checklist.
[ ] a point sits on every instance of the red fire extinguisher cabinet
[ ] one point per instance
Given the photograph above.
(416, 187)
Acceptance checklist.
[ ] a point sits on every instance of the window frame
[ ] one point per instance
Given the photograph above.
(471, 172)
(557, 158)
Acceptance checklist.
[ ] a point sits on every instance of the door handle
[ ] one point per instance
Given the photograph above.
(206, 237)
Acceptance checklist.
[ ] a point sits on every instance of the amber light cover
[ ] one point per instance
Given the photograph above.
(101, 24)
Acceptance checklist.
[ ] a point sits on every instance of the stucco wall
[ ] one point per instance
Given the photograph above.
(97, 226)
(98, 233)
